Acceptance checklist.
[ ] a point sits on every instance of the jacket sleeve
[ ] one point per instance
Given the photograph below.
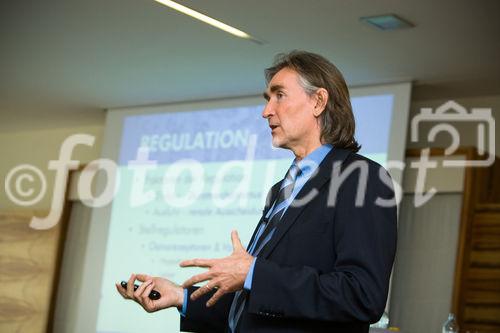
(355, 289)
(200, 318)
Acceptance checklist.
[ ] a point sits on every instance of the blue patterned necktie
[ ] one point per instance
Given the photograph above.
(259, 242)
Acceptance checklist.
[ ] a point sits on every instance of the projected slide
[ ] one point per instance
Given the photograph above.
(186, 180)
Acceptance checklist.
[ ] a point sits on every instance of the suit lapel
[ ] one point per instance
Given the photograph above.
(334, 159)
(273, 193)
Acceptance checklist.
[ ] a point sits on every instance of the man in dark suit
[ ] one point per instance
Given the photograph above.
(321, 256)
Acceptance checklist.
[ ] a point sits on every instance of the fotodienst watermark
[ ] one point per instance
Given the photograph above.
(19, 178)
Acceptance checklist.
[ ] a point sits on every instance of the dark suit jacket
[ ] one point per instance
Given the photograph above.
(327, 267)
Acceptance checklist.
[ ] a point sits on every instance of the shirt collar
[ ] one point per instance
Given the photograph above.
(310, 163)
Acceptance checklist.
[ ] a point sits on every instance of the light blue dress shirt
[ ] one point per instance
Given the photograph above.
(308, 166)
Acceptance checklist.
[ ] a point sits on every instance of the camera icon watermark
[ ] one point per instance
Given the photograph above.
(450, 112)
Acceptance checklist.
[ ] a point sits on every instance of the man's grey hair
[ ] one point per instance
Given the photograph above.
(337, 120)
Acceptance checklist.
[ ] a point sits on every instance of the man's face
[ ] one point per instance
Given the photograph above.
(289, 111)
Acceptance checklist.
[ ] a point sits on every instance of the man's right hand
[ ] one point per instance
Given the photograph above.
(171, 293)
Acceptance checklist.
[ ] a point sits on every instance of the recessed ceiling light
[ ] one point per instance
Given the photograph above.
(208, 20)
(387, 22)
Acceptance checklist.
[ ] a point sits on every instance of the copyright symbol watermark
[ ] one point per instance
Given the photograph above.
(19, 185)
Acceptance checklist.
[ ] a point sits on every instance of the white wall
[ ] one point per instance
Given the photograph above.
(425, 263)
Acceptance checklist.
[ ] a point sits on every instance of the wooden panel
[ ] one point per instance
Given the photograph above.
(477, 289)
(483, 274)
(486, 222)
(478, 328)
(484, 241)
(491, 285)
(28, 263)
(482, 314)
(486, 219)
(482, 297)
(485, 259)
(488, 179)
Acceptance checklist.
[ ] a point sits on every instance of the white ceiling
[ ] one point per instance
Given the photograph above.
(64, 61)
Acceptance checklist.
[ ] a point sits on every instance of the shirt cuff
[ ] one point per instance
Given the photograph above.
(182, 311)
(248, 279)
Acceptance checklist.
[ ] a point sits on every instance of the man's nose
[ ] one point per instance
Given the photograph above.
(268, 111)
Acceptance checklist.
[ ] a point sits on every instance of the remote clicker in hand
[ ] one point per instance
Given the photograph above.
(154, 295)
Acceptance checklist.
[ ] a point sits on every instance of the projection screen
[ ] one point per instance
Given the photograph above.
(189, 173)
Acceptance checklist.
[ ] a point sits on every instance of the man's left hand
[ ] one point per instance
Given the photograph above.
(225, 274)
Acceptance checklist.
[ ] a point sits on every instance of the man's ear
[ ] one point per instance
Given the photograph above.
(321, 100)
